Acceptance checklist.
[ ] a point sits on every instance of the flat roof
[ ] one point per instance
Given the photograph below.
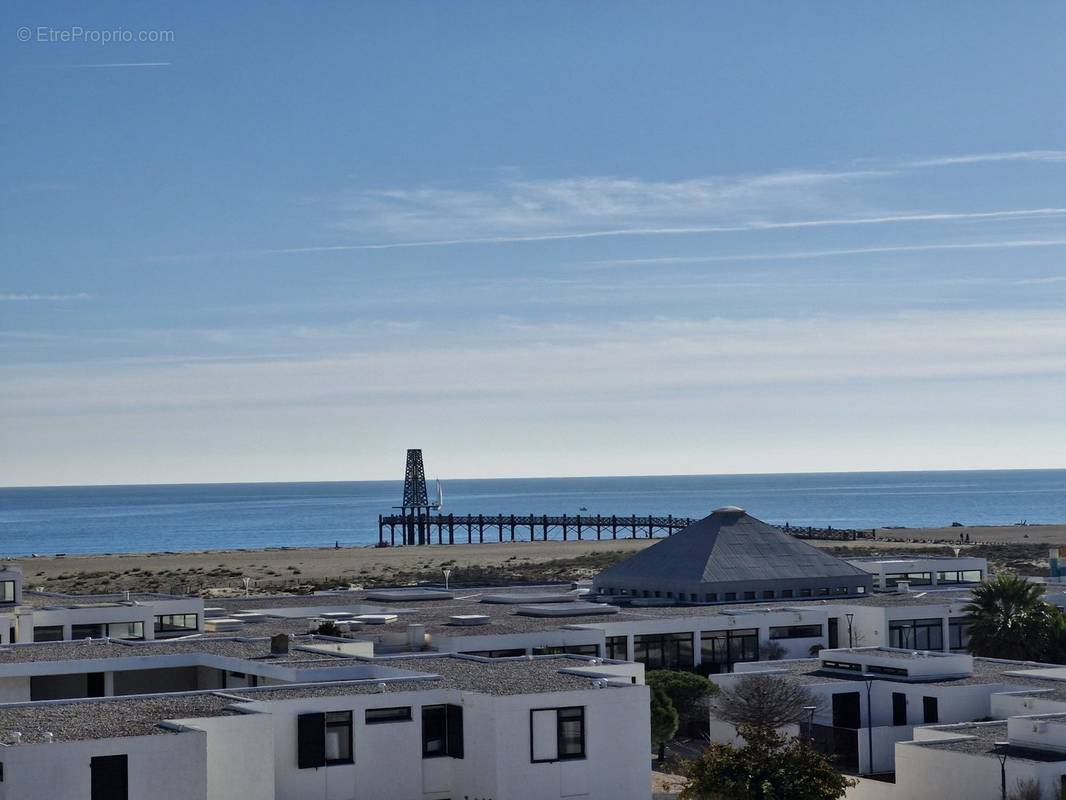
(235, 646)
(981, 741)
(104, 718)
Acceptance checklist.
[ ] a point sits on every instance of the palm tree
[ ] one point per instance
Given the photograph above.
(1010, 619)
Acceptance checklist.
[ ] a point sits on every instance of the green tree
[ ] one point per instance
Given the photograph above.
(1009, 618)
(686, 691)
(768, 767)
(664, 720)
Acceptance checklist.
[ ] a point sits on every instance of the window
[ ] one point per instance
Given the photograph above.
(768, 594)
(749, 595)
(664, 651)
(914, 578)
(899, 708)
(845, 665)
(324, 739)
(109, 778)
(824, 590)
(617, 648)
(730, 595)
(556, 734)
(805, 592)
(79, 632)
(796, 632)
(7, 591)
(397, 714)
(874, 668)
(720, 650)
(860, 590)
(442, 731)
(48, 633)
(176, 623)
(916, 634)
(959, 634)
(929, 710)
(125, 630)
(841, 590)
(496, 653)
(712, 597)
(570, 649)
(786, 593)
(338, 737)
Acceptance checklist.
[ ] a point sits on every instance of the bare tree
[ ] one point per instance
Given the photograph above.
(765, 701)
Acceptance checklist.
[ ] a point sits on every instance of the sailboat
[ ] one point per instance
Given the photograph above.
(440, 496)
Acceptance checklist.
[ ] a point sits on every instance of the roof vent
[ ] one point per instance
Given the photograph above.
(903, 587)
(16, 737)
(382, 687)
(729, 511)
(279, 644)
(49, 737)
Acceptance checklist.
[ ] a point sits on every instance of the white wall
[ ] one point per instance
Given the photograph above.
(240, 756)
(163, 767)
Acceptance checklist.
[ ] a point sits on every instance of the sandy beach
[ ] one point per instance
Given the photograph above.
(223, 571)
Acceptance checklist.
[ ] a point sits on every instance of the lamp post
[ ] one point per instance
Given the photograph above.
(810, 723)
(447, 572)
(851, 641)
(1001, 754)
(869, 724)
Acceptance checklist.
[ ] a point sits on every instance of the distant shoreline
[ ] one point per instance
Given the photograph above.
(299, 568)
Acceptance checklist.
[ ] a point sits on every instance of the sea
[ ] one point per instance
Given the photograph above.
(158, 518)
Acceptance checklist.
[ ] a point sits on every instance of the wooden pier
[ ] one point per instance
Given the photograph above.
(424, 527)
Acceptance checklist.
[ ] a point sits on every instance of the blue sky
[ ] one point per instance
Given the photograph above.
(533, 239)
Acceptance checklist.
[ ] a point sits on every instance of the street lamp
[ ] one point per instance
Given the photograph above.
(447, 572)
(1001, 754)
(810, 723)
(851, 641)
(869, 724)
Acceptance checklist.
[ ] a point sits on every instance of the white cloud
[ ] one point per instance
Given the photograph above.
(986, 158)
(851, 251)
(28, 297)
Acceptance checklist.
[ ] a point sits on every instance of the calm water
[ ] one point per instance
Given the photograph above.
(198, 517)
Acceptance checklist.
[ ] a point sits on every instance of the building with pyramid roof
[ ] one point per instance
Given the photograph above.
(731, 556)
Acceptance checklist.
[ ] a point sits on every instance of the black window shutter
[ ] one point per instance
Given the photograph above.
(311, 741)
(455, 731)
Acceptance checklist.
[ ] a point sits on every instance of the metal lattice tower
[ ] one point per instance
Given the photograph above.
(414, 482)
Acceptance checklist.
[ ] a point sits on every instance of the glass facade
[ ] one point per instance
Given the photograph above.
(664, 651)
(125, 630)
(176, 623)
(916, 634)
(617, 648)
(7, 591)
(961, 576)
(720, 650)
(796, 632)
(914, 578)
(959, 635)
(571, 649)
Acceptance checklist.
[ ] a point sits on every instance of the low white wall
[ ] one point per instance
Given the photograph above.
(163, 767)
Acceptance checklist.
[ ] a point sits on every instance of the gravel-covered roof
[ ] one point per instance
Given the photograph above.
(139, 716)
(981, 738)
(106, 718)
(59, 600)
(245, 648)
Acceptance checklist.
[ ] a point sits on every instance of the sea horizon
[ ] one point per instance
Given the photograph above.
(254, 515)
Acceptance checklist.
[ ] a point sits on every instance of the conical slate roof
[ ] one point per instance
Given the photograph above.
(729, 546)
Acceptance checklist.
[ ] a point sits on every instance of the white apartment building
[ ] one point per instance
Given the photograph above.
(31, 616)
(323, 724)
(929, 725)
